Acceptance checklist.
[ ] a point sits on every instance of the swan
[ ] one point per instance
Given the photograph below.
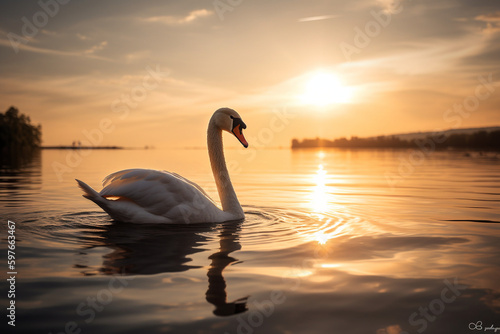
(150, 196)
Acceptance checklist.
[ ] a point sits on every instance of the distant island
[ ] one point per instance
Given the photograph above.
(19, 139)
(62, 147)
(474, 138)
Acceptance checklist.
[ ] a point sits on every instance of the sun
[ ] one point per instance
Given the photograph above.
(325, 88)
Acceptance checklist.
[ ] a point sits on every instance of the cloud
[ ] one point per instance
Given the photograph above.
(389, 6)
(82, 37)
(137, 55)
(488, 38)
(96, 48)
(49, 32)
(34, 49)
(179, 20)
(317, 18)
(492, 21)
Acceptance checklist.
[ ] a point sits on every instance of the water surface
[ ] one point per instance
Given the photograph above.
(334, 241)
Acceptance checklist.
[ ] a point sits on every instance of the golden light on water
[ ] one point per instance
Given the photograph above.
(319, 196)
(322, 205)
(321, 237)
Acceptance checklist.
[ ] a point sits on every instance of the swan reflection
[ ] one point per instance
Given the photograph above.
(156, 249)
(216, 293)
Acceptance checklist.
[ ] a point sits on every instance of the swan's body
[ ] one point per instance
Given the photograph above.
(149, 196)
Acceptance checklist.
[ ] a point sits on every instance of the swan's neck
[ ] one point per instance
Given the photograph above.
(227, 194)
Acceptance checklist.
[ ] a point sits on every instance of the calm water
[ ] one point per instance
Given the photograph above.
(335, 241)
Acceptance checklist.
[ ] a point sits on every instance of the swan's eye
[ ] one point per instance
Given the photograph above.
(238, 121)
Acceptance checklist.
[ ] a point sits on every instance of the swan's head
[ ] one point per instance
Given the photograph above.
(229, 120)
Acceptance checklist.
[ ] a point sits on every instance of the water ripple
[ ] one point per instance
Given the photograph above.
(263, 226)
(287, 228)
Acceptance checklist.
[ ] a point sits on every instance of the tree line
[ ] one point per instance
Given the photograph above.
(476, 140)
(17, 134)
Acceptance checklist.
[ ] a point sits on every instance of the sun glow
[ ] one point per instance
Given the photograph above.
(324, 88)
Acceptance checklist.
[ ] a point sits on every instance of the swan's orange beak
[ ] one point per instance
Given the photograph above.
(238, 132)
(238, 126)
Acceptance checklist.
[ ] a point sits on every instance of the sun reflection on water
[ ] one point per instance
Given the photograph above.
(328, 219)
(319, 196)
(321, 237)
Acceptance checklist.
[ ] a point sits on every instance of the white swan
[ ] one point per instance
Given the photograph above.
(150, 196)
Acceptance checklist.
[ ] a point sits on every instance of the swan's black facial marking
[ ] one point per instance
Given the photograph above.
(237, 121)
(237, 130)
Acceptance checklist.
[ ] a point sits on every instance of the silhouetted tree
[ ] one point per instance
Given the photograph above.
(17, 134)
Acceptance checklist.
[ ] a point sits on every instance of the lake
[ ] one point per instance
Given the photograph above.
(334, 241)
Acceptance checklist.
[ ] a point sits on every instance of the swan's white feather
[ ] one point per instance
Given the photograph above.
(151, 196)
(148, 175)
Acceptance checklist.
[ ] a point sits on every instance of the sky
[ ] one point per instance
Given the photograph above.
(136, 73)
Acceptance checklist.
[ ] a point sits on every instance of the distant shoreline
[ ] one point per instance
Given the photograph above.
(82, 148)
(468, 139)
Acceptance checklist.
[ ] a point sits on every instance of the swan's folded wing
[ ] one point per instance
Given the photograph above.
(155, 191)
(182, 178)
